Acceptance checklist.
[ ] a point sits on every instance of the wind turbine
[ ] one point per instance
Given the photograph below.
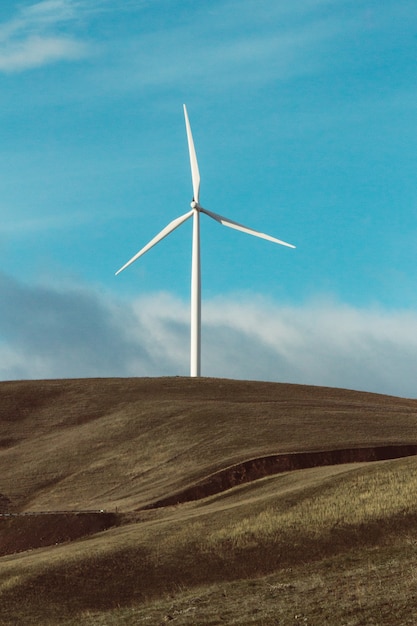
(196, 209)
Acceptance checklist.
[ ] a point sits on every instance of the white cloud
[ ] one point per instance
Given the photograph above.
(36, 51)
(36, 36)
(322, 343)
(56, 333)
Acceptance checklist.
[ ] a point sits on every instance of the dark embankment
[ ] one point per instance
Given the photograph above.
(5, 504)
(20, 532)
(269, 465)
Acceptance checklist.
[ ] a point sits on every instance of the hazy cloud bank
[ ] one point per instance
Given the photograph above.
(47, 332)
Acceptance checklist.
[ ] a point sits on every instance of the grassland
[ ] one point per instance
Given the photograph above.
(332, 545)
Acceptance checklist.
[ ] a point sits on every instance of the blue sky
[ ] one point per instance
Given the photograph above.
(303, 117)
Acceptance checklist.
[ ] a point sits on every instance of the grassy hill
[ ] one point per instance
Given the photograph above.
(321, 545)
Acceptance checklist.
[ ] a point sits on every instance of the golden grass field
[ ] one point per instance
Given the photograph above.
(333, 544)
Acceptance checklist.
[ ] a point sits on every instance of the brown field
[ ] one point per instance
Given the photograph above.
(101, 464)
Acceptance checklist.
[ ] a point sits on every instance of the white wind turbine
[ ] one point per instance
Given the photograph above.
(196, 209)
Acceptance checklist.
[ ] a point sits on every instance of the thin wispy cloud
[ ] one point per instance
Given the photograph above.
(23, 227)
(36, 51)
(228, 56)
(247, 43)
(38, 35)
(47, 332)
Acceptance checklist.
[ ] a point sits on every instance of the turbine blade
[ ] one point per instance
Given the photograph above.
(245, 229)
(195, 174)
(164, 232)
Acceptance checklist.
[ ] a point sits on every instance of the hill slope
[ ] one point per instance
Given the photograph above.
(275, 549)
(107, 443)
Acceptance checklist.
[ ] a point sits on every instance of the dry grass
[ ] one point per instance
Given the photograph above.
(372, 496)
(329, 545)
(300, 530)
(127, 442)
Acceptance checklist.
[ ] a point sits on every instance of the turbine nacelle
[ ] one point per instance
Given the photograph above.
(195, 205)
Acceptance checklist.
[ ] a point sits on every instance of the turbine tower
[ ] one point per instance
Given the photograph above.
(196, 209)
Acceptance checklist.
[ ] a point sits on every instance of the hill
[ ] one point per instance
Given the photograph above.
(121, 447)
(107, 443)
